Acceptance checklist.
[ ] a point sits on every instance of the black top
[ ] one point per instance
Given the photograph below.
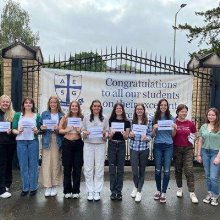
(4, 137)
(118, 136)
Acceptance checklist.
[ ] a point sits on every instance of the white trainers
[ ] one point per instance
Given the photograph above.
(134, 192)
(179, 192)
(138, 197)
(53, 191)
(47, 191)
(214, 201)
(68, 195)
(90, 196)
(5, 195)
(97, 196)
(193, 198)
(208, 198)
(76, 196)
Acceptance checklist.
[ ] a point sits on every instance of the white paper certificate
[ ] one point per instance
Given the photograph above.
(164, 125)
(95, 132)
(118, 126)
(4, 126)
(139, 129)
(74, 122)
(50, 123)
(27, 123)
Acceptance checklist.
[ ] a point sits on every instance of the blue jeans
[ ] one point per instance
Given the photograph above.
(116, 157)
(163, 154)
(28, 156)
(211, 170)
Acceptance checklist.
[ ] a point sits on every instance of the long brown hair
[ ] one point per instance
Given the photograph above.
(113, 114)
(59, 109)
(157, 115)
(79, 113)
(217, 121)
(101, 117)
(144, 116)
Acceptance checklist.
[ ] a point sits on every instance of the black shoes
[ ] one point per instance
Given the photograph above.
(113, 196)
(24, 193)
(33, 193)
(119, 197)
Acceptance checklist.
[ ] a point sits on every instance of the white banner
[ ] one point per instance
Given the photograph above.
(109, 88)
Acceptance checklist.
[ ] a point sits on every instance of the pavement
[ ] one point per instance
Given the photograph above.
(57, 208)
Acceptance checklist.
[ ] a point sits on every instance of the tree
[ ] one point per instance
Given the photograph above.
(207, 33)
(87, 61)
(15, 26)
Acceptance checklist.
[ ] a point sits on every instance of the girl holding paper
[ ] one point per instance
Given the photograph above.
(139, 148)
(209, 154)
(72, 151)
(163, 132)
(184, 152)
(26, 125)
(51, 167)
(94, 131)
(7, 146)
(119, 131)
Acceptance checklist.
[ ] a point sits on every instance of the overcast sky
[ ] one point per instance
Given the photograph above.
(82, 25)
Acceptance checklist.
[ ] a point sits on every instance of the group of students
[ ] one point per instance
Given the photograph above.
(66, 149)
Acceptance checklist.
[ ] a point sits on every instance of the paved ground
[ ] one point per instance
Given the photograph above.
(57, 208)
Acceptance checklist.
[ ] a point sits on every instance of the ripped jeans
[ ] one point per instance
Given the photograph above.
(163, 154)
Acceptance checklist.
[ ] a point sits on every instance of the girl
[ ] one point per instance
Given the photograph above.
(117, 150)
(7, 147)
(26, 125)
(51, 168)
(163, 148)
(184, 152)
(72, 151)
(139, 149)
(209, 154)
(94, 132)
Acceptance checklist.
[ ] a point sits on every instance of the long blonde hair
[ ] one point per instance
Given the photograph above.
(9, 114)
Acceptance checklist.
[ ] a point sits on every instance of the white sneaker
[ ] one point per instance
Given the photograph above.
(179, 192)
(134, 192)
(76, 196)
(53, 191)
(47, 191)
(208, 199)
(5, 195)
(214, 201)
(193, 198)
(68, 195)
(138, 197)
(90, 196)
(97, 196)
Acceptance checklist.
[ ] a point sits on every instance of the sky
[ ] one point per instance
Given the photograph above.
(69, 26)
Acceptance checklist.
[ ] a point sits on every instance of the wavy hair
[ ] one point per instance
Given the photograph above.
(101, 117)
(9, 114)
(59, 109)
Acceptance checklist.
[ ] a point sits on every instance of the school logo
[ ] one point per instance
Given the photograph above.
(67, 87)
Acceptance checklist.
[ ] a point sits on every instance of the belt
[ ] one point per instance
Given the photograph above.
(118, 141)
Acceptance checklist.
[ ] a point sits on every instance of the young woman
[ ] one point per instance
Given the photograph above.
(94, 131)
(117, 150)
(209, 154)
(26, 125)
(72, 151)
(184, 152)
(7, 146)
(139, 149)
(163, 148)
(51, 167)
